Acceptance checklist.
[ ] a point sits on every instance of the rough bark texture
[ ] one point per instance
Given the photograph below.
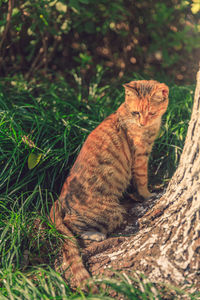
(166, 244)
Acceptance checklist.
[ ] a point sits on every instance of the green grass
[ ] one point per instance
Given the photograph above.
(51, 120)
(169, 145)
(45, 283)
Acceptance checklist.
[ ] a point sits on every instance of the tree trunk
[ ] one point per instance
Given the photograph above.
(166, 247)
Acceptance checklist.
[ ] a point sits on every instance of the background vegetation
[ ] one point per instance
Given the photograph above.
(61, 68)
(54, 36)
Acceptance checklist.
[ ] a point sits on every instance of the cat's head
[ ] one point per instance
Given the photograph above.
(146, 100)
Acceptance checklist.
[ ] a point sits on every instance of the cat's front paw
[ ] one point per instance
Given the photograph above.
(147, 195)
(152, 195)
(93, 236)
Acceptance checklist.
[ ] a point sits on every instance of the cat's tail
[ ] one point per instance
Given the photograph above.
(71, 256)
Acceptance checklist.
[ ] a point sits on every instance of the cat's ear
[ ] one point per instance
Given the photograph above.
(161, 93)
(130, 89)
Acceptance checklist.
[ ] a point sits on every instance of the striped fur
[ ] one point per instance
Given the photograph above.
(114, 155)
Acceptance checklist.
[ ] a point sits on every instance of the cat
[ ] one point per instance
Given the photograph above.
(114, 155)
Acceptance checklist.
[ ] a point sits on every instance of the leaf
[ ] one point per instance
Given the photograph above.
(44, 19)
(74, 4)
(61, 7)
(195, 6)
(33, 160)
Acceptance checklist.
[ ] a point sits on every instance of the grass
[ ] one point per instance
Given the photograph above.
(45, 283)
(42, 128)
(169, 145)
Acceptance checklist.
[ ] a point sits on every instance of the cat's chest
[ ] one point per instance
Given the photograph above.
(149, 135)
(143, 137)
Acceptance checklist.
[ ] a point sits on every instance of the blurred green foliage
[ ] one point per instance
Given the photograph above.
(54, 36)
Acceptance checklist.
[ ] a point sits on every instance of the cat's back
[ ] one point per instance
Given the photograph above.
(105, 136)
(102, 167)
(106, 147)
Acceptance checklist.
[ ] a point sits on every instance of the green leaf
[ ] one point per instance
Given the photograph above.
(33, 160)
(74, 4)
(195, 6)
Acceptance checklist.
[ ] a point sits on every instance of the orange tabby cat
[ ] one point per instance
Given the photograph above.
(114, 155)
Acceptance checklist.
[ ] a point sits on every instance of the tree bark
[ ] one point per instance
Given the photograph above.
(166, 247)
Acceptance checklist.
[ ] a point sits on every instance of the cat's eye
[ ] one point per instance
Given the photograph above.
(135, 113)
(152, 114)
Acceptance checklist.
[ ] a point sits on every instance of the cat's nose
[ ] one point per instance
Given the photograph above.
(143, 121)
